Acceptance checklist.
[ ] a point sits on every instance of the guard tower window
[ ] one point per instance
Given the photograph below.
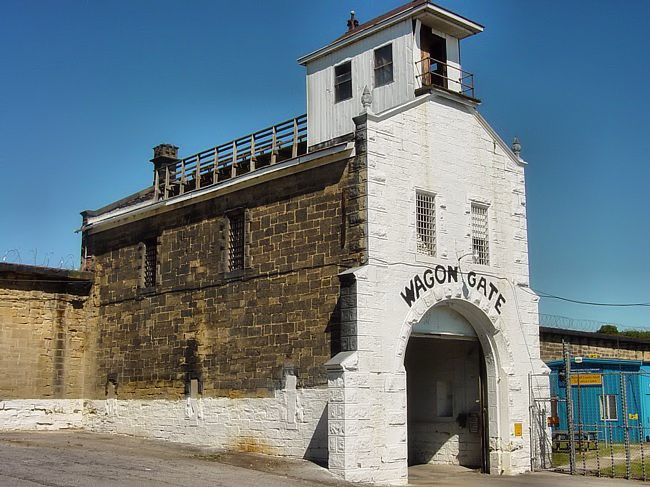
(384, 65)
(149, 262)
(343, 81)
(425, 221)
(480, 242)
(236, 241)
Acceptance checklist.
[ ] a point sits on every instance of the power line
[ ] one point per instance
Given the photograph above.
(542, 294)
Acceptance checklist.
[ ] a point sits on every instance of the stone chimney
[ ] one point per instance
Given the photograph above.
(164, 154)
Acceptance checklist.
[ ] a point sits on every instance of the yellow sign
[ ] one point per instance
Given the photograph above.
(633, 416)
(586, 379)
(519, 429)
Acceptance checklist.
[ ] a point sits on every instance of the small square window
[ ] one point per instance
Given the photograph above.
(343, 81)
(384, 65)
(425, 221)
(236, 241)
(480, 237)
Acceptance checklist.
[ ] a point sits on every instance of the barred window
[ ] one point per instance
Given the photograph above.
(236, 233)
(480, 237)
(425, 211)
(384, 65)
(608, 411)
(149, 262)
(343, 81)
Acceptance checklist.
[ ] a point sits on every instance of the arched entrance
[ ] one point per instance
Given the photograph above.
(446, 391)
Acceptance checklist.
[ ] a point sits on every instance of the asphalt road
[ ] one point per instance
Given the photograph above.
(30, 459)
(76, 458)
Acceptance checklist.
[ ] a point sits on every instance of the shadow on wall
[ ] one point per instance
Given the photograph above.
(317, 449)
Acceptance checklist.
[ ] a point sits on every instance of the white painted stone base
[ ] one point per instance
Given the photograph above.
(41, 414)
(292, 423)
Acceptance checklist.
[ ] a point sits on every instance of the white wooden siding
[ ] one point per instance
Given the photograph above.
(326, 119)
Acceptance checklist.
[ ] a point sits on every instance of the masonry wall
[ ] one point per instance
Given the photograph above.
(237, 333)
(43, 327)
(594, 345)
(441, 146)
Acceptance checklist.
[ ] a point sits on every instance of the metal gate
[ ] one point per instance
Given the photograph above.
(540, 431)
(591, 422)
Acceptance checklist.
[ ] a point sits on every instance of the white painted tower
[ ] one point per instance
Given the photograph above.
(440, 326)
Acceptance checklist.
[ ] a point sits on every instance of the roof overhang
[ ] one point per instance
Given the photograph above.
(142, 210)
(429, 13)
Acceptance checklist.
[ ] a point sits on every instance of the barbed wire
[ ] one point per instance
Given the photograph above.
(47, 260)
(577, 324)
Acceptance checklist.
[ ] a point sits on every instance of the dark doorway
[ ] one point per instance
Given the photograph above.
(434, 58)
(447, 422)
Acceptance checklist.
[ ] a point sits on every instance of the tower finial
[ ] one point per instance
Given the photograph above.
(516, 146)
(366, 99)
(352, 23)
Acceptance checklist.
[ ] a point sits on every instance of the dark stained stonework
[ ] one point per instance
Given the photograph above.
(235, 332)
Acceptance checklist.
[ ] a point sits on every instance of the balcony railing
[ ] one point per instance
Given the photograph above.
(432, 72)
(286, 140)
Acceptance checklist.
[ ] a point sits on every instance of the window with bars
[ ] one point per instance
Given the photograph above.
(608, 411)
(384, 65)
(480, 241)
(149, 262)
(425, 212)
(343, 81)
(236, 241)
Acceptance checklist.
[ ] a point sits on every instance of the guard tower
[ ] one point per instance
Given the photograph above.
(395, 57)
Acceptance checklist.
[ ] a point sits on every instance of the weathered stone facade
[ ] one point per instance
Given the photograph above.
(594, 345)
(43, 328)
(236, 334)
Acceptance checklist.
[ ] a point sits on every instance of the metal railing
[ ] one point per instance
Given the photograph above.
(433, 72)
(280, 142)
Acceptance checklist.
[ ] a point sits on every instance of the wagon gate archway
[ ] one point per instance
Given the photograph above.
(456, 390)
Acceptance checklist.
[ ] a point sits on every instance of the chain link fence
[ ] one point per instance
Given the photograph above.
(593, 420)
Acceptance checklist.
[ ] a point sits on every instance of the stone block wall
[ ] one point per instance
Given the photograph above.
(595, 345)
(43, 328)
(237, 333)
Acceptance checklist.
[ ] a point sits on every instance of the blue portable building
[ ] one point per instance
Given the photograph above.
(611, 398)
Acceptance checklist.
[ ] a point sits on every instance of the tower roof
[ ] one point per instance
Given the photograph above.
(430, 13)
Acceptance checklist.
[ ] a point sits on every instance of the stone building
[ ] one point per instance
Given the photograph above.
(591, 345)
(350, 286)
(43, 327)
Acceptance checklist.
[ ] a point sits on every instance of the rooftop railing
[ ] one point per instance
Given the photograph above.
(286, 140)
(433, 72)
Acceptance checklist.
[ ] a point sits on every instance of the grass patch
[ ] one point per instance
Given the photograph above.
(608, 461)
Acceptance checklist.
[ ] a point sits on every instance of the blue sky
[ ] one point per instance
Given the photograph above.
(88, 88)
